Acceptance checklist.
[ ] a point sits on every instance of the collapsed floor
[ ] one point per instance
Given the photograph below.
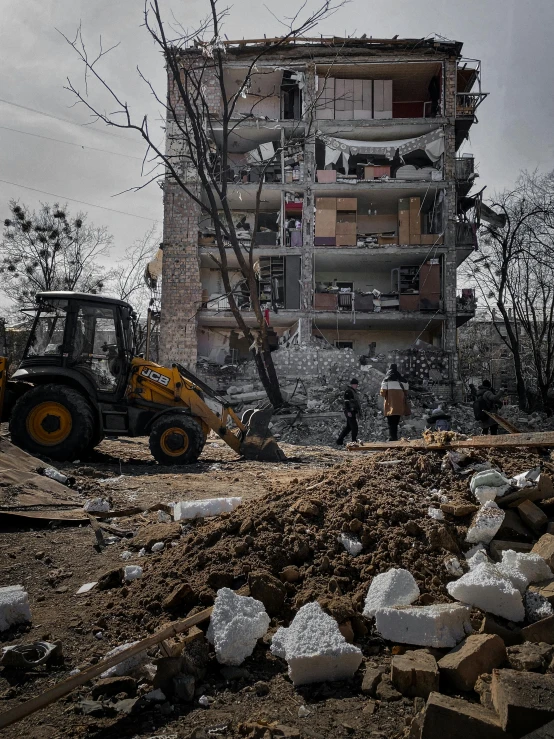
(281, 544)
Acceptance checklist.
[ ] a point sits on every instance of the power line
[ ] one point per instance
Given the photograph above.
(71, 143)
(66, 120)
(81, 202)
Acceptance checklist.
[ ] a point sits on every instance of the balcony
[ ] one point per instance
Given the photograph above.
(466, 235)
(466, 305)
(468, 102)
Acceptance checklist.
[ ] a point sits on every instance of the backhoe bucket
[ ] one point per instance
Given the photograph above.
(259, 444)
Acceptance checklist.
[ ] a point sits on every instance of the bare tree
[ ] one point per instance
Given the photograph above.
(514, 275)
(199, 157)
(50, 250)
(128, 281)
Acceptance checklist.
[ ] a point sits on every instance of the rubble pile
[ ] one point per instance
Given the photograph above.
(426, 576)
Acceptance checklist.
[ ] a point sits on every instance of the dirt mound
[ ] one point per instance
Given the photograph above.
(291, 535)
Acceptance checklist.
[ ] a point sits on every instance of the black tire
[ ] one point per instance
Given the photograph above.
(68, 408)
(176, 439)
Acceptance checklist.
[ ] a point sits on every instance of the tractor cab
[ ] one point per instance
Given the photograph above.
(87, 339)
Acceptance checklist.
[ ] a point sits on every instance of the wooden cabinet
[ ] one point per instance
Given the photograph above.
(325, 301)
(430, 287)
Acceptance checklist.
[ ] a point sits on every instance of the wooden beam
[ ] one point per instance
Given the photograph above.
(505, 441)
(58, 691)
(506, 425)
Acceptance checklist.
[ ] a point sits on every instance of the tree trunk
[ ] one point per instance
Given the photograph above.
(520, 384)
(268, 376)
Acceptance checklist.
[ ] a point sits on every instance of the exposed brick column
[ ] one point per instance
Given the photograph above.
(308, 267)
(182, 288)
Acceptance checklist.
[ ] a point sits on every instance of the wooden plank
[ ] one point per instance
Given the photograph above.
(74, 515)
(507, 441)
(58, 691)
(506, 425)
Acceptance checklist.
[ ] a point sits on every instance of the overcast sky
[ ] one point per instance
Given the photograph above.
(513, 38)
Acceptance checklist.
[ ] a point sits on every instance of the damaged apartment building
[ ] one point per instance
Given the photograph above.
(364, 214)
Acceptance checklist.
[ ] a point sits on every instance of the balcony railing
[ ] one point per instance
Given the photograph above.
(466, 303)
(466, 234)
(465, 168)
(468, 102)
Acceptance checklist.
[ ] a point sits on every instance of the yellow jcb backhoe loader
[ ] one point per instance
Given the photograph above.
(80, 380)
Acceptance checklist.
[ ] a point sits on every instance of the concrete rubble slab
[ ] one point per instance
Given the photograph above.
(524, 701)
(478, 654)
(415, 673)
(457, 719)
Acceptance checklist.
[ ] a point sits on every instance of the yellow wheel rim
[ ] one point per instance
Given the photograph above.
(174, 441)
(49, 423)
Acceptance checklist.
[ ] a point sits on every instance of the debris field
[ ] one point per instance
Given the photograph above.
(385, 595)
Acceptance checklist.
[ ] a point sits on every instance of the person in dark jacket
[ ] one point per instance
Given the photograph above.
(352, 409)
(439, 419)
(488, 400)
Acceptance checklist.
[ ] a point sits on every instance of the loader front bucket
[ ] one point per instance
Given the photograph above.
(259, 444)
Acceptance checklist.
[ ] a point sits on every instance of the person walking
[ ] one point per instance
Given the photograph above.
(394, 389)
(352, 408)
(487, 399)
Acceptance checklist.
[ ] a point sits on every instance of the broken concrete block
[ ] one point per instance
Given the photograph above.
(545, 732)
(529, 656)
(514, 528)
(459, 509)
(545, 548)
(483, 689)
(183, 688)
(521, 569)
(372, 677)
(458, 719)
(478, 654)
(314, 648)
(498, 547)
(541, 631)
(415, 673)
(486, 523)
(485, 588)
(490, 625)
(187, 509)
(532, 515)
(523, 701)
(397, 587)
(441, 625)
(14, 606)
(386, 691)
(236, 624)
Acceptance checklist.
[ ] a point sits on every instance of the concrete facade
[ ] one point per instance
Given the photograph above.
(190, 307)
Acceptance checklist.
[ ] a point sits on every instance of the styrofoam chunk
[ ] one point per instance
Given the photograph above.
(522, 569)
(202, 508)
(486, 523)
(236, 624)
(14, 606)
(132, 572)
(315, 649)
(397, 587)
(350, 543)
(486, 588)
(435, 513)
(537, 607)
(129, 664)
(87, 587)
(441, 625)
